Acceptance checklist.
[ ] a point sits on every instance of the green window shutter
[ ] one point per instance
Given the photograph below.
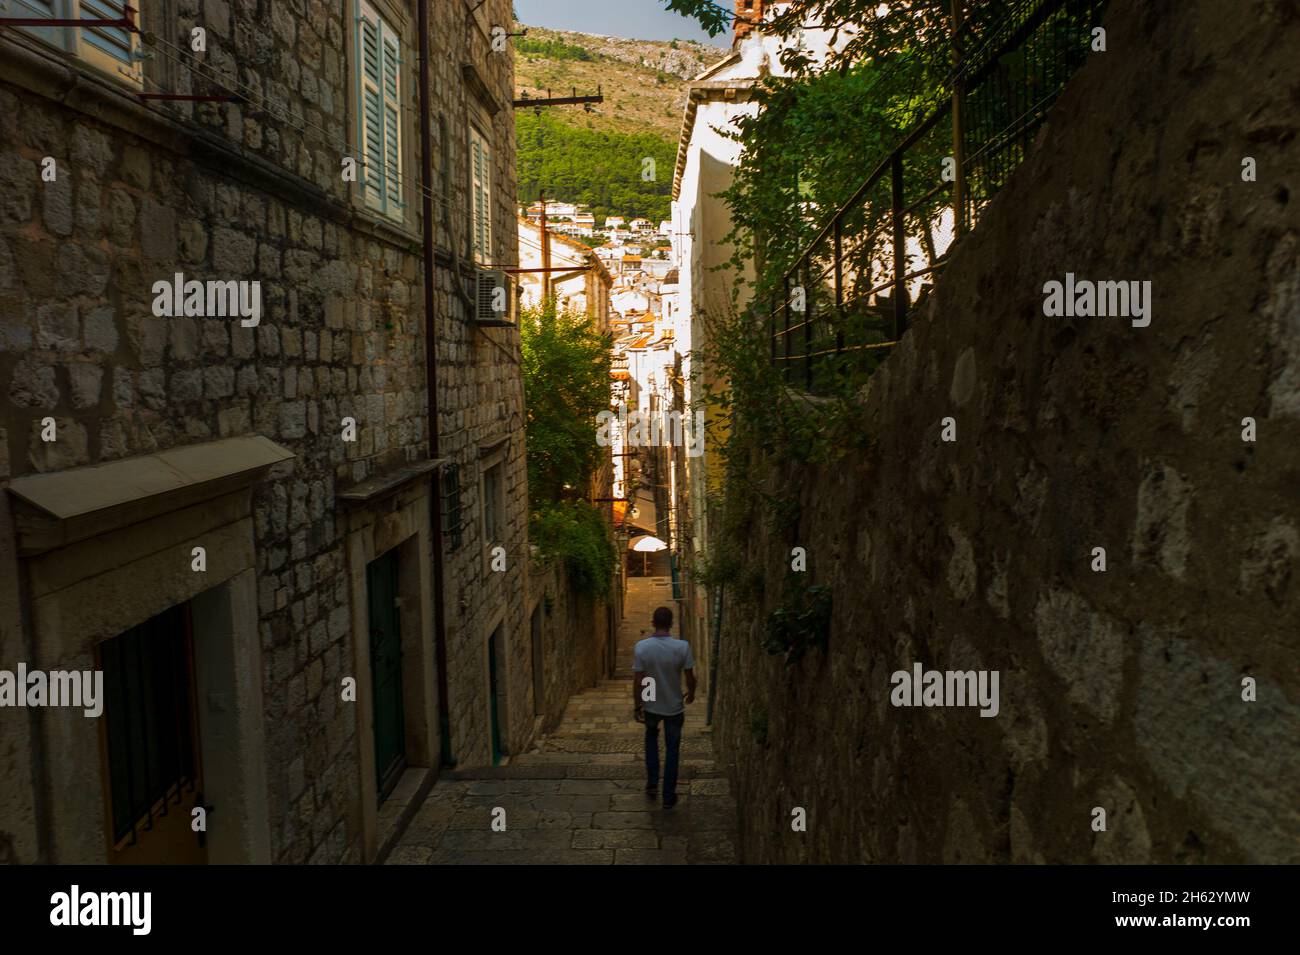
(374, 149)
(371, 99)
(476, 174)
(114, 41)
(481, 194)
(35, 8)
(391, 47)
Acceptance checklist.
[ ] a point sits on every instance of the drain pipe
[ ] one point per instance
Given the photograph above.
(431, 383)
(713, 657)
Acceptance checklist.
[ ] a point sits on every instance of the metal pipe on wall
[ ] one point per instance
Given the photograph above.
(431, 383)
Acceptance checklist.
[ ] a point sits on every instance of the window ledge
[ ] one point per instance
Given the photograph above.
(64, 507)
(371, 489)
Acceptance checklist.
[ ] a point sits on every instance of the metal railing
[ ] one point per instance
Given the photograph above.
(845, 301)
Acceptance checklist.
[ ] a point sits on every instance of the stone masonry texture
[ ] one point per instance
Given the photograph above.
(232, 191)
(1119, 689)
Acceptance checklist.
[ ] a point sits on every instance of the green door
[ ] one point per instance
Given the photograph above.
(386, 671)
(493, 696)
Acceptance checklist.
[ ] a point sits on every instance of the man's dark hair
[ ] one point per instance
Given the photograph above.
(663, 618)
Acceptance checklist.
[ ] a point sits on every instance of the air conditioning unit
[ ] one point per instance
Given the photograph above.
(496, 299)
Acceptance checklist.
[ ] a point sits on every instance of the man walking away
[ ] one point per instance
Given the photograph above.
(658, 663)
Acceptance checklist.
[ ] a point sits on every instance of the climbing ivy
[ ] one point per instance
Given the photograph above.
(801, 623)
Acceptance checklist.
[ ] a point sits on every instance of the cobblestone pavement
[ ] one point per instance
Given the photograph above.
(578, 797)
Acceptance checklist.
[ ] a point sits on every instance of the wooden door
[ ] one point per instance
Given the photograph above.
(494, 701)
(386, 671)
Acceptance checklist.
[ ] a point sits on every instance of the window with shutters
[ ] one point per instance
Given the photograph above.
(451, 509)
(115, 49)
(379, 112)
(480, 176)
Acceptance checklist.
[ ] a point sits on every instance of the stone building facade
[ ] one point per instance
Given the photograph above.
(290, 443)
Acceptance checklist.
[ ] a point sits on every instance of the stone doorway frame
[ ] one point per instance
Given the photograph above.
(384, 516)
(97, 556)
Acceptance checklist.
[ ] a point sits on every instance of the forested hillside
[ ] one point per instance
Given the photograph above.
(598, 156)
(603, 169)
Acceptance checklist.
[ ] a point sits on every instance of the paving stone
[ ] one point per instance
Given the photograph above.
(485, 839)
(622, 820)
(710, 787)
(579, 798)
(409, 855)
(586, 804)
(590, 787)
(516, 857)
(711, 848)
(722, 804)
(637, 802)
(706, 819)
(648, 857)
(518, 787)
(617, 839)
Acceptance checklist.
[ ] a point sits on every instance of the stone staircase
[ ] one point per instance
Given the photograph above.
(578, 797)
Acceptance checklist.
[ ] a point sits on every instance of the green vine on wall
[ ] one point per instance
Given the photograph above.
(801, 623)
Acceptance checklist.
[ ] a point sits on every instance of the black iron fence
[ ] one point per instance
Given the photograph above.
(845, 301)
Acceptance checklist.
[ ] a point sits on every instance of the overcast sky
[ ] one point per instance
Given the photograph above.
(636, 19)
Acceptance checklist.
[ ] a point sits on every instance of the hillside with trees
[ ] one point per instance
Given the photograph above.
(598, 156)
(602, 169)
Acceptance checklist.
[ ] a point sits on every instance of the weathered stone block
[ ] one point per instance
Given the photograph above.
(33, 385)
(57, 327)
(92, 150)
(293, 419)
(57, 200)
(99, 329)
(234, 253)
(86, 383)
(157, 231)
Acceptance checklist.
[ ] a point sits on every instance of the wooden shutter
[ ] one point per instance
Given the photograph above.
(390, 47)
(114, 41)
(481, 194)
(370, 98)
(36, 8)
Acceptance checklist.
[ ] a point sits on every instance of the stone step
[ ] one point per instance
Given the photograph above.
(531, 770)
(605, 746)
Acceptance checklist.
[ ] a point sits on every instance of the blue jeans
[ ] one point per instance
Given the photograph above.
(672, 748)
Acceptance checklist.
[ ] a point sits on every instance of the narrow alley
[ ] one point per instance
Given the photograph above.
(577, 796)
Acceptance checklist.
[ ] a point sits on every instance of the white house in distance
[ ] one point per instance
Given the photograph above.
(706, 161)
(579, 281)
(614, 222)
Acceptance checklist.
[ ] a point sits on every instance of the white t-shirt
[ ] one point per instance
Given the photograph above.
(663, 659)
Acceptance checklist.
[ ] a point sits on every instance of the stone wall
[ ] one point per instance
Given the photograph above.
(1119, 689)
(575, 639)
(253, 191)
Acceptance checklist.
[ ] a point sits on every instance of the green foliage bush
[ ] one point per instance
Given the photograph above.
(576, 532)
(566, 385)
(554, 49)
(803, 622)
